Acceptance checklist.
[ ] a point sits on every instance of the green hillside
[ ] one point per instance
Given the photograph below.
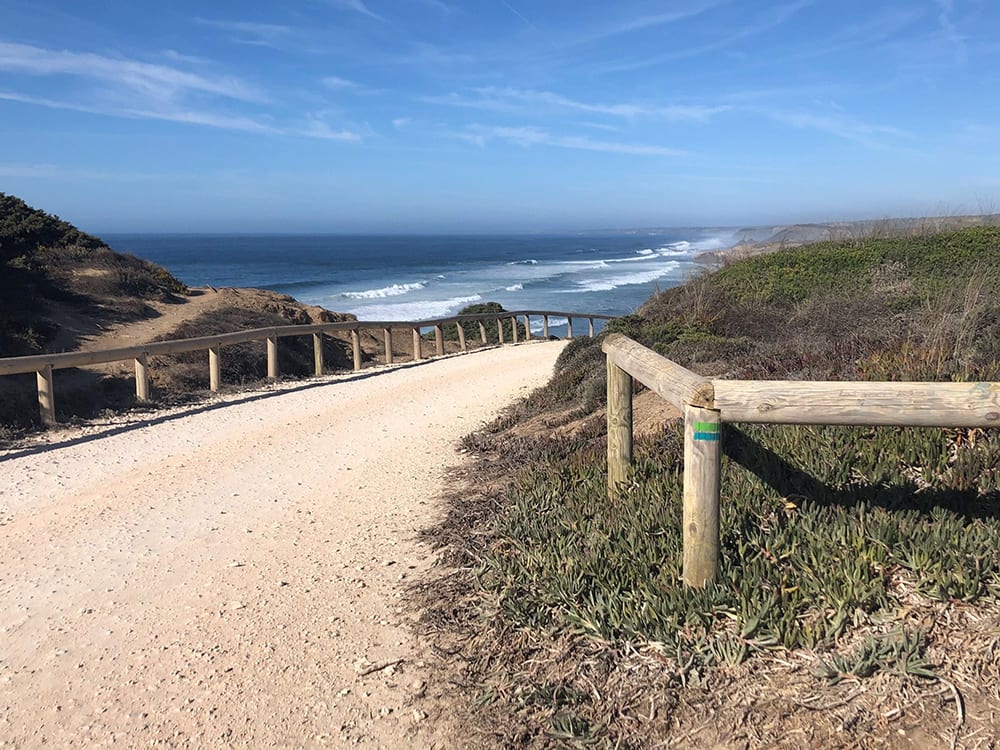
(858, 551)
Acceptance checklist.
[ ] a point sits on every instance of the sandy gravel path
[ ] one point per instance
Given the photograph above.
(227, 578)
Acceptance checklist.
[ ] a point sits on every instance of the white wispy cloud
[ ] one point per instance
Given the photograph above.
(250, 28)
(517, 13)
(610, 28)
(180, 57)
(845, 127)
(336, 82)
(949, 30)
(531, 136)
(437, 5)
(148, 79)
(771, 19)
(312, 129)
(321, 130)
(520, 100)
(358, 6)
(210, 119)
(30, 170)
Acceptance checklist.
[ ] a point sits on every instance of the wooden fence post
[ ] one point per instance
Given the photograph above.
(46, 396)
(356, 348)
(142, 378)
(527, 328)
(545, 326)
(387, 336)
(591, 331)
(318, 354)
(461, 336)
(215, 368)
(417, 354)
(500, 330)
(482, 332)
(619, 427)
(272, 357)
(702, 433)
(439, 339)
(513, 328)
(569, 328)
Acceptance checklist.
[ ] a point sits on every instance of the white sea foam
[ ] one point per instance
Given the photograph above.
(634, 259)
(697, 246)
(514, 287)
(527, 262)
(423, 310)
(608, 283)
(538, 325)
(387, 291)
(583, 263)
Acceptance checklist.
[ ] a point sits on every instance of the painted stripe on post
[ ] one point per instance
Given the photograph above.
(706, 431)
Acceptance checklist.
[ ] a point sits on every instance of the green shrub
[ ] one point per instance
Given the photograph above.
(823, 529)
(471, 328)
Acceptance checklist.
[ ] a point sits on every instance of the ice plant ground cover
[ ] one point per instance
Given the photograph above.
(860, 566)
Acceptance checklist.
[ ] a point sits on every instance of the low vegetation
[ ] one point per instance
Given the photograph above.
(46, 262)
(246, 363)
(850, 556)
(473, 333)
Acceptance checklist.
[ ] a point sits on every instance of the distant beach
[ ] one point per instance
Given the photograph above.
(423, 276)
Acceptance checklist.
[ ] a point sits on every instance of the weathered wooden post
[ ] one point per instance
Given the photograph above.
(527, 328)
(619, 427)
(417, 354)
(356, 348)
(461, 336)
(569, 328)
(545, 326)
(46, 396)
(272, 357)
(482, 332)
(318, 354)
(439, 339)
(142, 378)
(500, 330)
(215, 367)
(387, 337)
(702, 468)
(513, 328)
(591, 331)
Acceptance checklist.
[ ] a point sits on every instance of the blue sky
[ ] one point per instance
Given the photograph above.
(494, 115)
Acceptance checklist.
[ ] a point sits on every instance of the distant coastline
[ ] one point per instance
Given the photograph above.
(415, 277)
(763, 239)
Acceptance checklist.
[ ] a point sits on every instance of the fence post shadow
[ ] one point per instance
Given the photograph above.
(789, 481)
(770, 468)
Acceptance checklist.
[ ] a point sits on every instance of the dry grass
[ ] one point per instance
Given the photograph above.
(878, 549)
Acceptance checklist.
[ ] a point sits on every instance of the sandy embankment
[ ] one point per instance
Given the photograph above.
(226, 577)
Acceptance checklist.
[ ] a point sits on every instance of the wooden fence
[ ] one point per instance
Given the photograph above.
(43, 365)
(706, 404)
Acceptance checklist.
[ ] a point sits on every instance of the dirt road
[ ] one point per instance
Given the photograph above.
(231, 575)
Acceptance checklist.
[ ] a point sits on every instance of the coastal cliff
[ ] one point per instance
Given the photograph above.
(64, 290)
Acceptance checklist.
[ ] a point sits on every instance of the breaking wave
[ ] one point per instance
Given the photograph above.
(387, 291)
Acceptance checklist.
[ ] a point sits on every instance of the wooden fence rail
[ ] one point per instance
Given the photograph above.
(43, 365)
(707, 404)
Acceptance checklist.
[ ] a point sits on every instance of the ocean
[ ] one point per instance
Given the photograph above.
(398, 277)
